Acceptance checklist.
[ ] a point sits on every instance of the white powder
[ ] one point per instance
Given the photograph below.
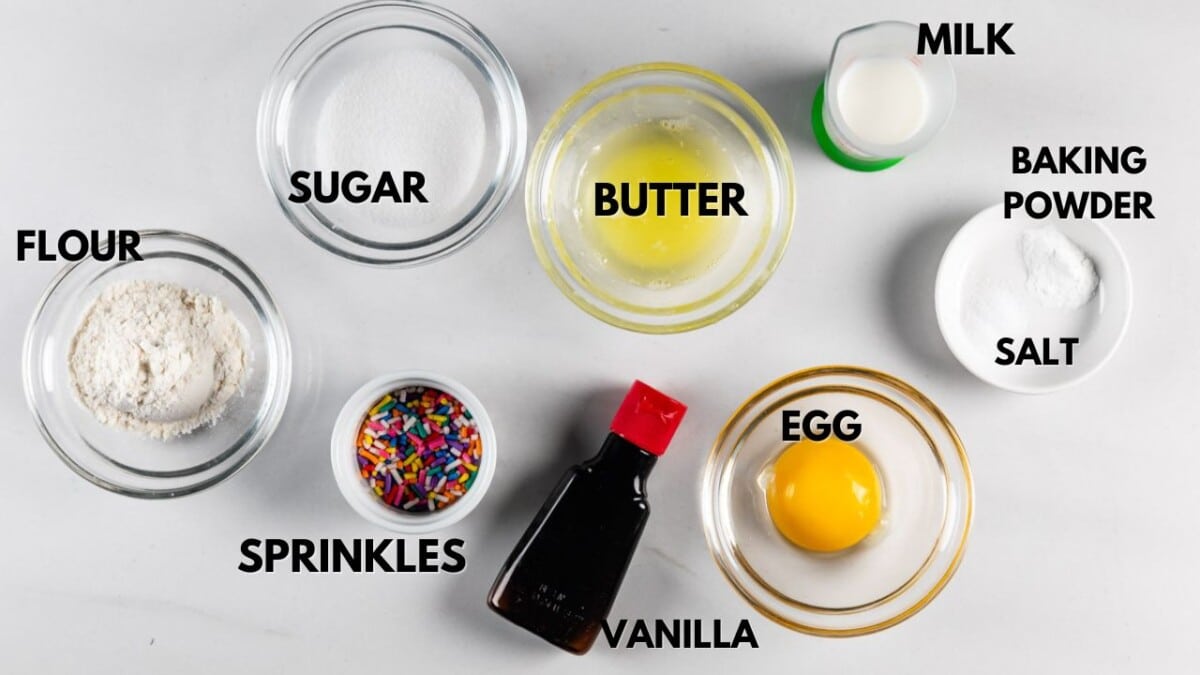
(406, 111)
(1058, 272)
(1027, 282)
(995, 309)
(156, 358)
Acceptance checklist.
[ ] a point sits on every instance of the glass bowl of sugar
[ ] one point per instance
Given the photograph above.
(392, 133)
(94, 406)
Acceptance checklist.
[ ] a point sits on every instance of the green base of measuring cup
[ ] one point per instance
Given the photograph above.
(832, 151)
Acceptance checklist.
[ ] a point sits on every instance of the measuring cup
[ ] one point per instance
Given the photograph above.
(887, 43)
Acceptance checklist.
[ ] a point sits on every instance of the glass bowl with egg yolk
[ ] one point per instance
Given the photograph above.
(839, 536)
(659, 198)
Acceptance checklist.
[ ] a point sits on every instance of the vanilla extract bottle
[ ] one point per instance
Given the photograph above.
(561, 579)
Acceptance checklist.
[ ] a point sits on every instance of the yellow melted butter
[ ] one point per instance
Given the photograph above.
(650, 249)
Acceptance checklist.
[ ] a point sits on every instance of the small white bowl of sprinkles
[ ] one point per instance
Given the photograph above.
(413, 451)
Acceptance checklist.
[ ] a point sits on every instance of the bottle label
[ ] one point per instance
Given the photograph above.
(557, 602)
(421, 556)
(678, 634)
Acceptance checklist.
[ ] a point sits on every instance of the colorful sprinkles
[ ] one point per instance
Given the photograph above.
(419, 449)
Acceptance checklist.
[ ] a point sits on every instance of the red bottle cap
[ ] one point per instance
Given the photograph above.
(648, 418)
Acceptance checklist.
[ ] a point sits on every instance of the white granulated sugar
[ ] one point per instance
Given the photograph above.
(157, 358)
(406, 111)
(1058, 272)
(994, 308)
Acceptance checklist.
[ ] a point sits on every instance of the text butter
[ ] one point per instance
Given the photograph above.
(669, 199)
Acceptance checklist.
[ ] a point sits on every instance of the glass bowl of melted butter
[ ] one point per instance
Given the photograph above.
(837, 501)
(660, 198)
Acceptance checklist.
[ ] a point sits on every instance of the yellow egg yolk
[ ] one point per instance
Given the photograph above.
(824, 495)
(650, 249)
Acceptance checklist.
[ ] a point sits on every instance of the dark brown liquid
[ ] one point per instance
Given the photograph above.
(564, 573)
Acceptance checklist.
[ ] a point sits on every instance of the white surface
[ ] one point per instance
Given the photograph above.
(1084, 551)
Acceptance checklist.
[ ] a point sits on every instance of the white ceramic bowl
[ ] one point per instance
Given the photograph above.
(358, 494)
(985, 256)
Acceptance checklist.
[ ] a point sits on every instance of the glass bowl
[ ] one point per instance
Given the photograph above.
(901, 566)
(344, 455)
(307, 74)
(668, 94)
(125, 462)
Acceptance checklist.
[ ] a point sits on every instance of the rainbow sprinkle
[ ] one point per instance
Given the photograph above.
(419, 449)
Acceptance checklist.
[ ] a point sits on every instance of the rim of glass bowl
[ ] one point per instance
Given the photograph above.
(716, 306)
(717, 465)
(231, 267)
(310, 46)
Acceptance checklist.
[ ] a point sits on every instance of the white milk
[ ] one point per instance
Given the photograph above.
(883, 99)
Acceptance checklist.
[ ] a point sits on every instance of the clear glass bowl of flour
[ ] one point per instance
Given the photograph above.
(127, 462)
(397, 87)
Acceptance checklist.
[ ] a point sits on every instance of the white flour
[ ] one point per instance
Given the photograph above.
(156, 358)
